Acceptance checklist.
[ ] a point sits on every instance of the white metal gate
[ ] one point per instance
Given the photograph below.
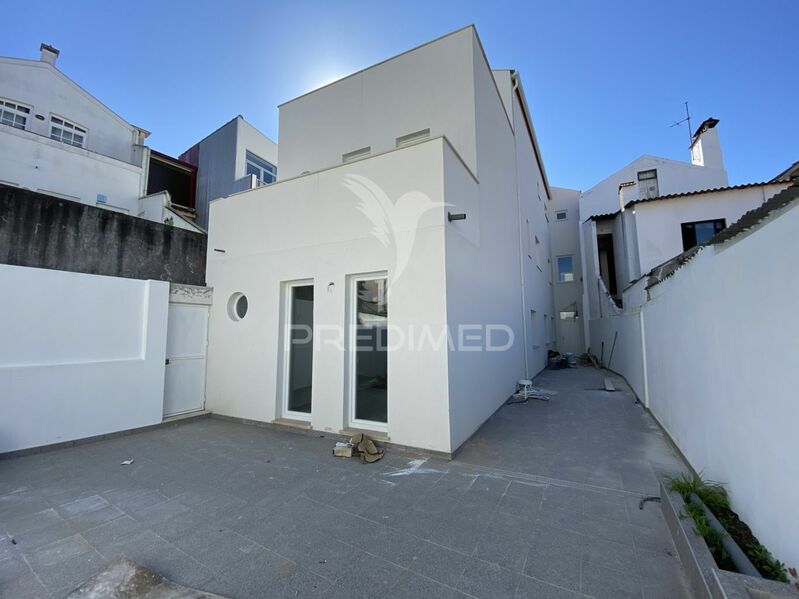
(186, 341)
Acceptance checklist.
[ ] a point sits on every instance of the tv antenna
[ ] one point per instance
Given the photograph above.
(688, 120)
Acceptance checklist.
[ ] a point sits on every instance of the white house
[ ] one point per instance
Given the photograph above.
(407, 236)
(58, 139)
(235, 157)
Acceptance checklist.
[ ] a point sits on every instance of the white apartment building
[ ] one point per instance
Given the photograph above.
(234, 158)
(410, 205)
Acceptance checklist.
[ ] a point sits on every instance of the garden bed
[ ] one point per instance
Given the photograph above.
(708, 578)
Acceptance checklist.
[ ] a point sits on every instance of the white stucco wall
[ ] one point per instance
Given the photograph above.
(45, 165)
(721, 349)
(249, 138)
(428, 87)
(312, 228)
(80, 355)
(658, 223)
(673, 177)
(48, 91)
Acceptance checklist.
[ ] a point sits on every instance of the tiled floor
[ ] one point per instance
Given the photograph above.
(542, 502)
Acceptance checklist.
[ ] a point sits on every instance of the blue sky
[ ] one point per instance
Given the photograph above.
(604, 79)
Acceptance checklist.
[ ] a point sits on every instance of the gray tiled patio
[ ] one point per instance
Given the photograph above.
(542, 502)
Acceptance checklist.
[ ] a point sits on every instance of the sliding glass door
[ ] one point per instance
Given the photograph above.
(368, 352)
(299, 350)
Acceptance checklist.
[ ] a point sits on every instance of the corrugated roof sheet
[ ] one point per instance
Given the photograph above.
(749, 221)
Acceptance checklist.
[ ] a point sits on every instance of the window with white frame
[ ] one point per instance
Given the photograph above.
(560, 215)
(14, 114)
(67, 132)
(565, 269)
(265, 172)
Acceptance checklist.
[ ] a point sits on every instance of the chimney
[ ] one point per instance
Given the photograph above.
(622, 188)
(49, 54)
(705, 146)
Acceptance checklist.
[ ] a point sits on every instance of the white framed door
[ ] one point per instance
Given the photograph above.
(368, 351)
(298, 310)
(186, 342)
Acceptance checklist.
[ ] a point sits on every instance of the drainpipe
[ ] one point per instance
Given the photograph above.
(515, 80)
(643, 356)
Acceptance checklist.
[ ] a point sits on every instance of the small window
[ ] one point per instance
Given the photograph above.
(697, 233)
(356, 154)
(648, 184)
(568, 315)
(237, 306)
(67, 132)
(264, 172)
(14, 114)
(560, 215)
(565, 269)
(412, 138)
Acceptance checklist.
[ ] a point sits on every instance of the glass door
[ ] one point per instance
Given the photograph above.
(369, 352)
(299, 350)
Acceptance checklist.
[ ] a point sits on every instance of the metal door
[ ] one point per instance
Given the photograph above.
(186, 339)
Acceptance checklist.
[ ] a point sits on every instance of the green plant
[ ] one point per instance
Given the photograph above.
(715, 497)
(766, 563)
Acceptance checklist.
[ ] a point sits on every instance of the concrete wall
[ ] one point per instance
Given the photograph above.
(427, 87)
(87, 356)
(659, 234)
(334, 239)
(46, 232)
(721, 354)
(564, 238)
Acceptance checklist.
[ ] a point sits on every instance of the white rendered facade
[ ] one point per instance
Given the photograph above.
(96, 158)
(463, 145)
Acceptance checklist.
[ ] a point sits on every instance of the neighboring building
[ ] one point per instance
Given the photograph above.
(57, 139)
(60, 140)
(621, 247)
(564, 228)
(234, 158)
(651, 176)
(409, 205)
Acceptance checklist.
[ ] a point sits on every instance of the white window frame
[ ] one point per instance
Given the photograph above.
(67, 126)
(352, 382)
(557, 266)
(287, 316)
(259, 178)
(17, 110)
(565, 214)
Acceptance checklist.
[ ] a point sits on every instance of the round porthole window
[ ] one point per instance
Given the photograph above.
(237, 306)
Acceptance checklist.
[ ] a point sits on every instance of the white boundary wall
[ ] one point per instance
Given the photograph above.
(719, 370)
(722, 356)
(80, 355)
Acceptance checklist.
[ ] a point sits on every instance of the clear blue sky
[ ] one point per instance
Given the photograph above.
(604, 79)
